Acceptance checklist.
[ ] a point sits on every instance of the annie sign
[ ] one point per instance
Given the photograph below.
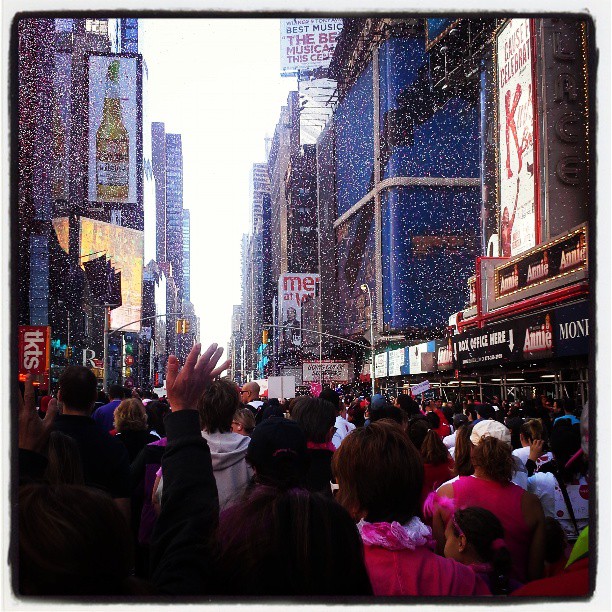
(517, 171)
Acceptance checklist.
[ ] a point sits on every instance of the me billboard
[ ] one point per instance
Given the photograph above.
(293, 291)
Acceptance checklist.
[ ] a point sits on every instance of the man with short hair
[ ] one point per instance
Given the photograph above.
(249, 396)
(105, 460)
(567, 407)
(104, 416)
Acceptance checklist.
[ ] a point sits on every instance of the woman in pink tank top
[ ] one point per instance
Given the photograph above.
(490, 487)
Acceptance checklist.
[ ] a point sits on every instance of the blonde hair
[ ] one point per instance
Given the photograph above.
(130, 414)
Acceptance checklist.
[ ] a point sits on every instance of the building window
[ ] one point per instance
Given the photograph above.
(97, 26)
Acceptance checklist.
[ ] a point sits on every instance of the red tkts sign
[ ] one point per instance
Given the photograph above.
(34, 351)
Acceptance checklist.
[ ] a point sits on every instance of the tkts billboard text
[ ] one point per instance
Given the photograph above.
(34, 350)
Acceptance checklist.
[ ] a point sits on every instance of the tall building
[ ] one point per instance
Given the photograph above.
(186, 255)
(158, 162)
(174, 207)
(262, 295)
(64, 221)
(167, 167)
(285, 145)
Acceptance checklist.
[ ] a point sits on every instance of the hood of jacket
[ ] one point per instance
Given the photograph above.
(226, 449)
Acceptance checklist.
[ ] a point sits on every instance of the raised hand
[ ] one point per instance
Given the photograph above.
(34, 432)
(535, 449)
(185, 387)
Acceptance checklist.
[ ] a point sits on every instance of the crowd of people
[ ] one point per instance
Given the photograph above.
(212, 492)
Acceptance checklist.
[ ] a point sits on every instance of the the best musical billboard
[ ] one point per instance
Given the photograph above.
(516, 91)
(124, 247)
(306, 44)
(114, 132)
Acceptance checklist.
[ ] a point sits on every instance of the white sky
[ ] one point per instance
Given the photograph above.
(217, 83)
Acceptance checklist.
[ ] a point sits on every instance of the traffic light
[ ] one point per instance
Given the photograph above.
(182, 326)
(68, 352)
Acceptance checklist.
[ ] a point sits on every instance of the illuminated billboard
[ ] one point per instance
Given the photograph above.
(516, 92)
(307, 44)
(114, 92)
(124, 247)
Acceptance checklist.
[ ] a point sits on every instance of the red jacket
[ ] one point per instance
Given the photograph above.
(420, 572)
(574, 581)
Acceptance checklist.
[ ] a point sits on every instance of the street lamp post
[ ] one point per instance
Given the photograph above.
(366, 288)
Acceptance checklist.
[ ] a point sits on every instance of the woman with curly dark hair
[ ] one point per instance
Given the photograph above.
(490, 487)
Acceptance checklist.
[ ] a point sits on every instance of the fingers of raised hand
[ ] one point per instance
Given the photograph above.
(207, 362)
(192, 358)
(52, 409)
(226, 364)
(171, 371)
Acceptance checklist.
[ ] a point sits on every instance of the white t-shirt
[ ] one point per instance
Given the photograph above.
(545, 486)
(343, 428)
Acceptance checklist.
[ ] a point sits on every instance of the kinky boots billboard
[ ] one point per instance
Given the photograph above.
(557, 332)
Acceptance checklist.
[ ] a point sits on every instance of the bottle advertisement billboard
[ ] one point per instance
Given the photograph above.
(114, 85)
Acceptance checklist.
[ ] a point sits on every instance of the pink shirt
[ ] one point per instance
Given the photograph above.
(420, 572)
(504, 501)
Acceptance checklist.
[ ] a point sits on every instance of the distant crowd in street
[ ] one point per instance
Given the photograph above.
(214, 491)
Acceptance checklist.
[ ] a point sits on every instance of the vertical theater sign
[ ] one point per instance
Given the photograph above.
(517, 169)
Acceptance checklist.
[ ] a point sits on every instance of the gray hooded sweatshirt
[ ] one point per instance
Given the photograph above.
(230, 469)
